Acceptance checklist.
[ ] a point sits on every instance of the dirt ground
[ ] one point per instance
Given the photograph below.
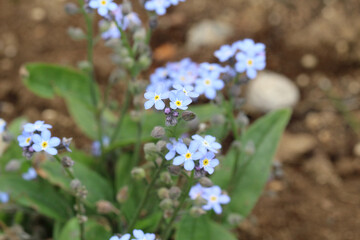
(315, 191)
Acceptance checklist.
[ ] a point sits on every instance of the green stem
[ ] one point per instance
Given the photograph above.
(184, 196)
(146, 196)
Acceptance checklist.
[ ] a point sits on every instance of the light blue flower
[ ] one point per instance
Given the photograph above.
(187, 155)
(248, 46)
(187, 90)
(212, 68)
(2, 125)
(131, 19)
(215, 199)
(111, 33)
(30, 174)
(140, 235)
(45, 143)
(179, 100)
(225, 53)
(176, 2)
(250, 63)
(207, 143)
(25, 139)
(103, 6)
(209, 162)
(124, 237)
(96, 146)
(172, 148)
(4, 197)
(155, 98)
(208, 84)
(196, 191)
(159, 6)
(37, 126)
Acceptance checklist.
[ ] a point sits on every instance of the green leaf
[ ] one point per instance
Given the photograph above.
(93, 230)
(36, 194)
(13, 151)
(98, 188)
(191, 228)
(253, 170)
(15, 127)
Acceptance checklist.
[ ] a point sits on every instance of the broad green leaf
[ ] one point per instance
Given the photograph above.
(15, 127)
(191, 228)
(98, 188)
(13, 151)
(253, 169)
(93, 230)
(38, 195)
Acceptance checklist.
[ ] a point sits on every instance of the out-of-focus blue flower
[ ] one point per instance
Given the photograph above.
(187, 155)
(4, 197)
(179, 100)
(176, 2)
(103, 6)
(196, 191)
(159, 6)
(172, 148)
(131, 19)
(30, 174)
(187, 90)
(207, 143)
(96, 146)
(112, 32)
(25, 139)
(248, 46)
(211, 68)
(215, 199)
(225, 53)
(140, 235)
(2, 125)
(155, 98)
(209, 162)
(124, 237)
(208, 84)
(45, 143)
(250, 63)
(37, 126)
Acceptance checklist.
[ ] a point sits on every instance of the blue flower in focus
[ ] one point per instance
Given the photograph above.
(37, 126)
(208, 162)
(45, 143)
(208, 84)
(225, 53)
(248, 46)
(140, 235)
(207, 143)
(124, 237)
(25, 139)
(179, 100)
(250, 63)
(4, 197)
(30, 174)
(2, 125)
(187, 90)
(172, 148)
(159, 6)
(215, 199)
(155, 98)
(103, 6)
(196, 191)
(187, 155)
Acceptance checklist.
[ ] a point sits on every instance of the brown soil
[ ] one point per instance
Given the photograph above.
(318, 196)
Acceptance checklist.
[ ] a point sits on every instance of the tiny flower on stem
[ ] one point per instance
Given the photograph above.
(46, 143)
(207, 143)
(179, 100)
(209, 162)
(37, 126)
(159, 6)
(187, 155)
(30, 174)
(155, 98)
(215, 199)
(140, 235)
(25, 139)
(103, 6)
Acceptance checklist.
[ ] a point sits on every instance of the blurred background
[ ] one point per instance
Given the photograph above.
(313, 63)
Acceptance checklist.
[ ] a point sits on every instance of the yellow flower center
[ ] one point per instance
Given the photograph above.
(250, 62)
(213, 198)
(103, 2)
(44, 144)
(178, 103)
(206, 143)
(182, 78)
(206, 162)
(211, 68)
(185, 91)
(157, 97)
(28, 140)
(207, 81)
(188, 155)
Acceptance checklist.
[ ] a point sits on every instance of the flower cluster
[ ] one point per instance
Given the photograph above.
(200, 148)
(2, 125)
(36, 137)
(160, 6)
(213, 196)
(249, 56)
(138, 235)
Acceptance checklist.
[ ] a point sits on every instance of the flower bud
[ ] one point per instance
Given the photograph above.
(168, 213)
(235, 219)
(174, 170)
(174, 192)
(188, 115)
(75, 184)
(165, 177)
(13, 165)
(76, 33)
(82, 218)
(66, 143)
(140, 34)
(138, 173)
(67, 162)
(126, 7)
(166, 204)
(200, 201)
(84, 66)
(197, 211)
(71, 8)
(158, 132)
(153, 22)
(144, 61)
(150, 151)
(123, 194)
(242, 119)
(161, 146)
(104, 207)
(250, 148)
(163, 193)
(218, 119)
(206, 182)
